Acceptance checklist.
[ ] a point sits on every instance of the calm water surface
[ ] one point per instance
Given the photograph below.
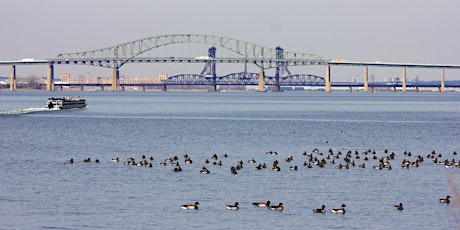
(39, 190)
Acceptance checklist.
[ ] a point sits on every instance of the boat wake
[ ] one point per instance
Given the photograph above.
(28, 110)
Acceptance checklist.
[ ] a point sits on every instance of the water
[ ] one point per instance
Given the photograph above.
(39, 190)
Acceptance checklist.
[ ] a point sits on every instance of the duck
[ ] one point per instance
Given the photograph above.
(115, 159)
(320, 210)
(70, 161)
(190, 206)
(262, 204)
(177, 169)
(339, 210)
(278, 207)
(96, 161)
(204, 170)
(233, 207)
(399, 207)
(445, 200)
(87, 160)
(293, 167)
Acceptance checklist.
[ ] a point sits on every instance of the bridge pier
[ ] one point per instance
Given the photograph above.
(443, 84)
(143, 88)
(164, 88)
(102, 87)
(366, 81)
(13, 81)
(50, 78)
(328, 79)
(261, 81)
(404, 80)
(115, 79)
(81, 88)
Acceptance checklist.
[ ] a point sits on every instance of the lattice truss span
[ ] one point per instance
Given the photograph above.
(141, 50)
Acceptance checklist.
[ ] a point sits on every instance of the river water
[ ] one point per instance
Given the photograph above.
(39, 190)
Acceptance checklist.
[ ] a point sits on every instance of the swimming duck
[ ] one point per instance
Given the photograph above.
(262, 203)
(70, 161)
(278, 207)
(445, 200)
(87, 160)
(233, 207)
(339, 210)
(190, 206)
(399, 207)
(116, 159)
(204, 170)
(320, 210)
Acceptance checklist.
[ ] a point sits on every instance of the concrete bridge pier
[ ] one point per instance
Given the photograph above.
(164, 88)
(261, 81)
(13, 81)
(81, 88)
(366, 81)
(50, 78)
(327, 78)
(115, 79)
(404, 80)
(102, 87)
(443, 84)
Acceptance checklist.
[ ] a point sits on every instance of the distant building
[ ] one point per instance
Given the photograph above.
(163, 77)
(65, 77)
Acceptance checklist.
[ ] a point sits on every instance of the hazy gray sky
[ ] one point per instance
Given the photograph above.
(414, 31)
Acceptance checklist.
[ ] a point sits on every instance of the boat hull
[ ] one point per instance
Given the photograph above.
(66, 103)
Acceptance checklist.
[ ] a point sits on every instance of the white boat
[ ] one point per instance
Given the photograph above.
(65, 102)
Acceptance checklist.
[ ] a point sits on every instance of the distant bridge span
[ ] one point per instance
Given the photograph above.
(139, 51)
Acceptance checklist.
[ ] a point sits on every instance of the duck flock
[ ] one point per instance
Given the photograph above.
(340, 160)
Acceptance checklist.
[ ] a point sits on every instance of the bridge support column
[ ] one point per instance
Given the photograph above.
(366, 80)
(404, 80)
(261, 81)
(50, 78)
(143, 88)
(115, 79)
(81, 88)
(443, 84)
(164, 88)
(13, 82)
(102, 87)
(328, 79)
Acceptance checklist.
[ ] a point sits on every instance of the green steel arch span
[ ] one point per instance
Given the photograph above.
(135, 51)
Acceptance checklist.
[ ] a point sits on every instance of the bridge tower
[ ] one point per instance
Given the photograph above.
(210, 68)
(281, 69)
(279, 63)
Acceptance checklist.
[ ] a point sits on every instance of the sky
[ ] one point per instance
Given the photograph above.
(409, 31)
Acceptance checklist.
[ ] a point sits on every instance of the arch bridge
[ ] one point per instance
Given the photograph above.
(139, 51)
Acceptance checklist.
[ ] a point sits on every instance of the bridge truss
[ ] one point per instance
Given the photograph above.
(245, 78)
(240, 52)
